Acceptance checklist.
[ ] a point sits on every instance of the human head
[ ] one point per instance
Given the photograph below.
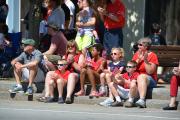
(117, 54)
(62, 64)
(86, 3)
(80, 4)
(28, 45)
(53, 3)
(155, 28)
(144, 44)
(71, 47)
(131, 66)
(96, 50)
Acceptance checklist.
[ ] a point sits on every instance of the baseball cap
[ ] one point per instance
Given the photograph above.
(29, 42)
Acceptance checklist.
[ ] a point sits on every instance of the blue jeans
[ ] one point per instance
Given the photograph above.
(112, 38)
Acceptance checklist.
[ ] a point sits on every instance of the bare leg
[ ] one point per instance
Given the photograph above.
(60, 86)
(32, 74)
(142, 85)
(51, 88)
(17, 75)
(92, 79)
(72, 80)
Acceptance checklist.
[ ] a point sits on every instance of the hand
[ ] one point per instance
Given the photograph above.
(102, 11)
(18, 66)
(145, 56)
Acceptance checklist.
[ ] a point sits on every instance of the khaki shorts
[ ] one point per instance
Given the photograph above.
(40, 77)
(53, 58)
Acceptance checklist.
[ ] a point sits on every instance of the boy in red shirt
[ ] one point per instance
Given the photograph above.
(120, 87)
(59, 78)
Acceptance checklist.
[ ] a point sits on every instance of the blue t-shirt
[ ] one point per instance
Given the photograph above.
(117, 66)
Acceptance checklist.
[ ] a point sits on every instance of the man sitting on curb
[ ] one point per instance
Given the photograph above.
(27, 66)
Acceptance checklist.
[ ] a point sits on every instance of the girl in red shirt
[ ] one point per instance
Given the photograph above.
(92, 70)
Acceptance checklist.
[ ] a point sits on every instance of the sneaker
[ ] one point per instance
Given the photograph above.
(117, 103)
(68, 100)
(29, 91)
(49, 100)
(108, 102)
(60, 100)
(129, 104)
(141, 103)
(16, 89)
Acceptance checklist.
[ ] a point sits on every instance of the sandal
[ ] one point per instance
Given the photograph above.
(41, 99)
(93, 94)
(80, 93)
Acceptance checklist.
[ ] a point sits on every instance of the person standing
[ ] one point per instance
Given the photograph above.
(113, 15)
(71, 7)
(57, 15)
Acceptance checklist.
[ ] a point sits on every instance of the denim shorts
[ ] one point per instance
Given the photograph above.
(152, 82)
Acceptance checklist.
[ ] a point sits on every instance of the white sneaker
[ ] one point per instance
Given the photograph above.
(108, 102)
(141, 103)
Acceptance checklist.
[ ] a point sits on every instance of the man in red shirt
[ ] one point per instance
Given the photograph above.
(113, 15)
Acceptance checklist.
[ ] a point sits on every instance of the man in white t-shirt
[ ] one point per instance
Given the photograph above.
(71, 7)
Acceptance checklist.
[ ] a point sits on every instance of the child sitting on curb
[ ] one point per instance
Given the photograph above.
(119, 88)
(59, 78)
(115, 66)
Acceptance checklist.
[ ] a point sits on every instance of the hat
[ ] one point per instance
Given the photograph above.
(53, 25)
(29, 42)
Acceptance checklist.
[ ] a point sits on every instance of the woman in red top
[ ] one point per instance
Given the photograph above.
(147, 63)
(113, 15)
(92, 70)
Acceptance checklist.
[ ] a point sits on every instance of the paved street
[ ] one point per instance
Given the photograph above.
(24, 110)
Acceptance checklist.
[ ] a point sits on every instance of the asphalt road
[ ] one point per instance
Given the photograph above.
(25, 110)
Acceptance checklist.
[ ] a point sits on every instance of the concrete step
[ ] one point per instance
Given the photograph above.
(151, 103)
(160, 96)
(161, 92)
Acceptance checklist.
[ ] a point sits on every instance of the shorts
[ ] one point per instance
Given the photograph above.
(152, 82)
(40, 77)
(124, 93)
(84, 41)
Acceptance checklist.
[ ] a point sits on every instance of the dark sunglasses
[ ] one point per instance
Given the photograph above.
(140, 44)
(71, 46)
(130, 66)
(113, 53)
(60, 65)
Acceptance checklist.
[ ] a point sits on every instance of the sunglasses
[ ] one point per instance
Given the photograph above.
(71, 46)
(130, 66)
(140, 44)
(60, 65)
(113, 53)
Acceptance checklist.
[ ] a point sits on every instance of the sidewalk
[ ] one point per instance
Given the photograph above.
(160, 96)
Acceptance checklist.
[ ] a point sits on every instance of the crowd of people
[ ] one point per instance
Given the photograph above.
(93, 55)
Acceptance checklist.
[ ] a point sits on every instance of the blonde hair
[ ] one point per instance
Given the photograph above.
(121, 50)
(71, 43)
